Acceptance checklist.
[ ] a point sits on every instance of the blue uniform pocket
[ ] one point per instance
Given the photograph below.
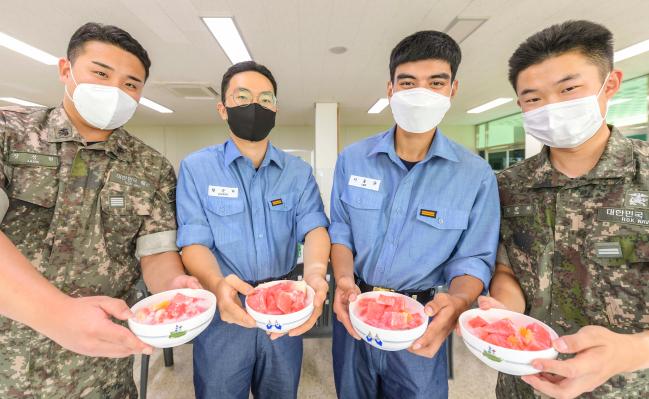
(225, 218)
(364, 209)
(436, 229)
(282, 217)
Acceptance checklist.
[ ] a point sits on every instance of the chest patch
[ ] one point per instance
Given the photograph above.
(637, 199)
(623, 216)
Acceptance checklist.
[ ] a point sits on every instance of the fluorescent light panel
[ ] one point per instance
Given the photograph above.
(226, 33)
(491, 104)
(378, 106)
(27, 50)
(154, 106)
(18, 101)
(461, 28)
(617, 101)
(631, 51)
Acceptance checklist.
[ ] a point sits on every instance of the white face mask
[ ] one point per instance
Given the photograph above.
(418, 110)
(104, 107)
(566, 124)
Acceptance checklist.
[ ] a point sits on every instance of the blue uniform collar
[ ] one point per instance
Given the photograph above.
(441, 147)
(231, 153)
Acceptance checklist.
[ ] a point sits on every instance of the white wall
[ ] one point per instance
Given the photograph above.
(176, 142)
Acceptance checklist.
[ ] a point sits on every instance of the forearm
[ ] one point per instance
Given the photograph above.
(641, 351)
(160, 270)
(506, 289)
(342, 261)
(202, 264)
(316, 252)
(25, 295)
(466, 288)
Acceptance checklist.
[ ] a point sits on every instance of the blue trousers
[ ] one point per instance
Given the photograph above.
(364, 372)
(230, 361)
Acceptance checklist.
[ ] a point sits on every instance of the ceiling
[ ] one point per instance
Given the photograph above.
(293, 38)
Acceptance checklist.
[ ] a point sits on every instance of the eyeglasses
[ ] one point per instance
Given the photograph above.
(244, 97)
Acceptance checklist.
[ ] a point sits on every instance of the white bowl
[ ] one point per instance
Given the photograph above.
(282, 323)
(508, 361)
(388, 340)
(167, 335)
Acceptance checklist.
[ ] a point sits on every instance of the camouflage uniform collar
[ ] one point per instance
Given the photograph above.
(616, 162)
(119, 145)
(60, 128)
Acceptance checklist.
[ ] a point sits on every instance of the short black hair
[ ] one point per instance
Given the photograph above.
(245, 66)
(592, 40)
(110, 34)
(424, 45)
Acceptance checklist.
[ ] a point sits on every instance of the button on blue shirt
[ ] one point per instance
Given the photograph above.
(251, 220)
(413, 230)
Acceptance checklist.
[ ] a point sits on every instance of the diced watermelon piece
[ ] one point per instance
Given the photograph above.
(498, 340)
(541, 335)
(501, 327)
(477, 322)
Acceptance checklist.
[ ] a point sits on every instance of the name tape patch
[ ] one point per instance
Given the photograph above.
(364, 182)
(223, 192)
(624, 216)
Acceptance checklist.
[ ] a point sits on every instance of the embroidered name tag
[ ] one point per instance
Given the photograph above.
(518, 210)
(364, 182)
(26, 158)
(224, 192)
(132, 181)
(428, 213)
(637, 199)
(608, 250)
(276, 202)
(116, 201)
(624, 216)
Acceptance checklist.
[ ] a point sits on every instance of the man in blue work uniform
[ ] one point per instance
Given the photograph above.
(243, 206)
(410, 211)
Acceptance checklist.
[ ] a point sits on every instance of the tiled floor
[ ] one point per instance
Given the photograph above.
(472, 379)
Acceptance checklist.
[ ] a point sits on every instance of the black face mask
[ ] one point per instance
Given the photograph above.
(251, 122)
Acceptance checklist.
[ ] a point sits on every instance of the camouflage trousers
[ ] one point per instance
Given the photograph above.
(34, 367)
(627, 386)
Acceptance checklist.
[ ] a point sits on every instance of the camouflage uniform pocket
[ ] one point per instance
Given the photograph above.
(37, 185)
(123, 209)
(622, 273)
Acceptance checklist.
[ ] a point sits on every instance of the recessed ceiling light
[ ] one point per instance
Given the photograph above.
(154, 106)
(27, 50)
(378, 106)
(338, 50)
(631, 51)
(491, 104)
(18, 101)
(226, 33)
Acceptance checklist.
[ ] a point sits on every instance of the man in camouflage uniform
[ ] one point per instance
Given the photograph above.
(574, 247)
(85, 204)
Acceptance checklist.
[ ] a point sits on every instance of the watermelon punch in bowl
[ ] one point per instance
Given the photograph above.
(172, 318)
(388, 320)
(507, 341)
(280, 306)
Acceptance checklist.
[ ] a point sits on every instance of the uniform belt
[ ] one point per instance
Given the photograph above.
(292, 275)
(422, 297)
